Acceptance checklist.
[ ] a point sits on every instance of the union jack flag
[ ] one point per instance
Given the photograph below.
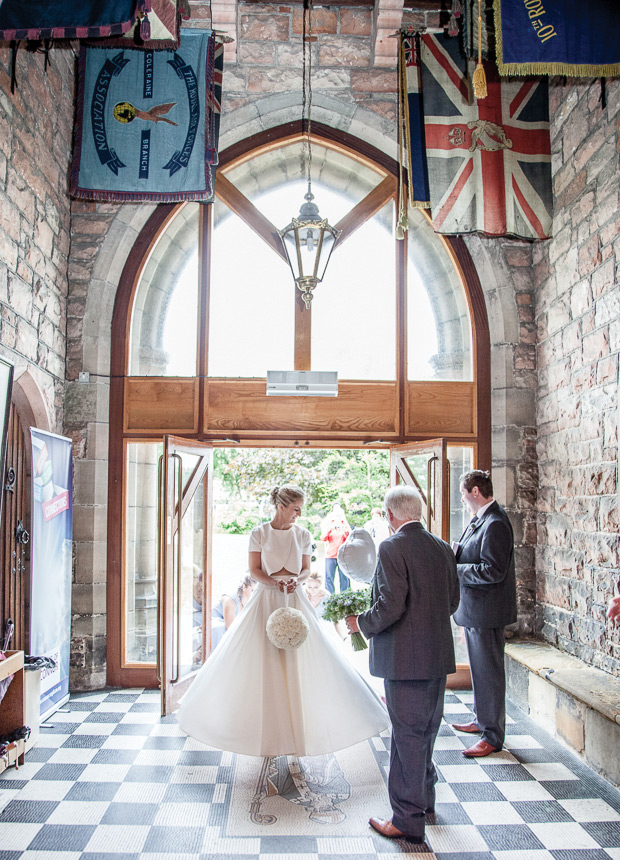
(489, 160)
(413, 112)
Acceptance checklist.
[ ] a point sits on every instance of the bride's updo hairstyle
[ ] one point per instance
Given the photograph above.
(286, 495)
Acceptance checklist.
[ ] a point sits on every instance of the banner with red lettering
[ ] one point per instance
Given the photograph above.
(51, 543)
(558, 37)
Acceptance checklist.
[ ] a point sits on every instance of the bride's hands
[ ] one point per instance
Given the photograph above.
(289, 585)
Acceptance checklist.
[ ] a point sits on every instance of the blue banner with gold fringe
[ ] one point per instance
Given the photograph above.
(146, 122)
(558, 37)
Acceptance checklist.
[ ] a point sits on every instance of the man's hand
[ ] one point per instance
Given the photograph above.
(352, 625)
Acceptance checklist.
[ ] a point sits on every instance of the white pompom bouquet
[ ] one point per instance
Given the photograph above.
(287, 628)
(349, 602)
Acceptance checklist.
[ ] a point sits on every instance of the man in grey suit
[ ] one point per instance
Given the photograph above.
(415, 590)
(486, 571)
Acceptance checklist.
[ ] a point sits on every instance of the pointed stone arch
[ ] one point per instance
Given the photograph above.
(87, 400)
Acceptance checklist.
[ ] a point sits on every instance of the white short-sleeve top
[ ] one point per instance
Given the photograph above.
(281, 548)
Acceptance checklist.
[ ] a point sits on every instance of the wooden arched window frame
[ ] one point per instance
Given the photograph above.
(229, 411)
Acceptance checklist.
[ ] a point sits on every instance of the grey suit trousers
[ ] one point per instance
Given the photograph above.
(485, 646)
(415, 709)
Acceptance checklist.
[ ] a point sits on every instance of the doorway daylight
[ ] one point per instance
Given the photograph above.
(244, 477)
(356, 479)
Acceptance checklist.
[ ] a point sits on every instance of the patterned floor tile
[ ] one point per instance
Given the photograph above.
(563, 835)
(112, 781)
(499, 812)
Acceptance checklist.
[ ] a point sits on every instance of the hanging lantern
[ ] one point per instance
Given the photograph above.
(308, 241)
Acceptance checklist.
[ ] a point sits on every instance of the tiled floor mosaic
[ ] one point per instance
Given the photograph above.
(111, 780)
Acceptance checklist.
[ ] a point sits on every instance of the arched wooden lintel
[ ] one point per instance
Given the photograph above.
(119, 381)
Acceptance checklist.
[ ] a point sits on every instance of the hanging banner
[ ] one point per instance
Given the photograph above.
(145, 122)
(489, 160)
(51, 542)
(558, 37)
(412, 111)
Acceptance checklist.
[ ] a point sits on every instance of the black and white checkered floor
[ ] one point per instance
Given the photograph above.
(111, 780)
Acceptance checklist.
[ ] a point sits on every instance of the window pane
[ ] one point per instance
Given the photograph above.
(439, 344)
(354, 309)
(164, 322)
(141, 553)
(285, 167)
(252, 302)
(461, 460)
(188, 609)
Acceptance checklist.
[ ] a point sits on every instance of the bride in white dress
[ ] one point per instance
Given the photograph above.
(253, 698)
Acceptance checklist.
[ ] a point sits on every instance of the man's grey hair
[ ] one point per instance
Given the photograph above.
(404, 502)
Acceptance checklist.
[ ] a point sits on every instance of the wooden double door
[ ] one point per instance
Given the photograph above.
(14, 537)
(426, 466)
(184, 562)
(184, 550)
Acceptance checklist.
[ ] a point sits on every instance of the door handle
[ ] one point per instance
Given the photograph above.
(21, 534)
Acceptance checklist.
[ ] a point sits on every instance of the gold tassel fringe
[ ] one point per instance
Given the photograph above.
(479, 80)
(570, 70)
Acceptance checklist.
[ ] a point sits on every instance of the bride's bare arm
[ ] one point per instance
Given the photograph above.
(257, 572)
(305, 568)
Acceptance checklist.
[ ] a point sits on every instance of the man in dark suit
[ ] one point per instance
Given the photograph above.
(486, 571)
(414, 592)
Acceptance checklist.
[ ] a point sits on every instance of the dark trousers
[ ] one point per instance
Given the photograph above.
(485, 646)
(415, 709)
(330, 576)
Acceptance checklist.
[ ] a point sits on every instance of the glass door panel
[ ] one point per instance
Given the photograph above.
(140, 577)
(431, 467)
(461, 460)
(184, 598)
(424, 466)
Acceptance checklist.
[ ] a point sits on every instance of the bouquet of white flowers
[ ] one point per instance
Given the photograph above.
(287, 628)
(348, 602)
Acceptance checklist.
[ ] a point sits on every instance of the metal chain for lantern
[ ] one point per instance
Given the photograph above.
(306, 95)
(309, 239)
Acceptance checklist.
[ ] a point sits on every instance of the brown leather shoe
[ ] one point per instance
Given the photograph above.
(479, 750)
(386, 828)
(466, 727)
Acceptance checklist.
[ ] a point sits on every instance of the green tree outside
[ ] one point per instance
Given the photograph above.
(356, 479)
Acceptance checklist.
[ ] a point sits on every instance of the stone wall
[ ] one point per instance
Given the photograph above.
(505, 271)
(266, 55)
(36, 124)
(578, 317)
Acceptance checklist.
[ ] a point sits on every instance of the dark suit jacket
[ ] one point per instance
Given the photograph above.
(414, 592)
(486, 570)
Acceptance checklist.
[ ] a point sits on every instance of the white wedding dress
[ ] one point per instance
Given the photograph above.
(253, 698)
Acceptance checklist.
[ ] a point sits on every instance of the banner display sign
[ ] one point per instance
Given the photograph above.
(50, 558)
(147, 122)
(558, 37)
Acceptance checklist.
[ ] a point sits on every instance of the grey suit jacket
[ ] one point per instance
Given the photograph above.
(486, 570)
(414, 592)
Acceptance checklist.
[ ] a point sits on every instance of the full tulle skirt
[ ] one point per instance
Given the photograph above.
(255, 699)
